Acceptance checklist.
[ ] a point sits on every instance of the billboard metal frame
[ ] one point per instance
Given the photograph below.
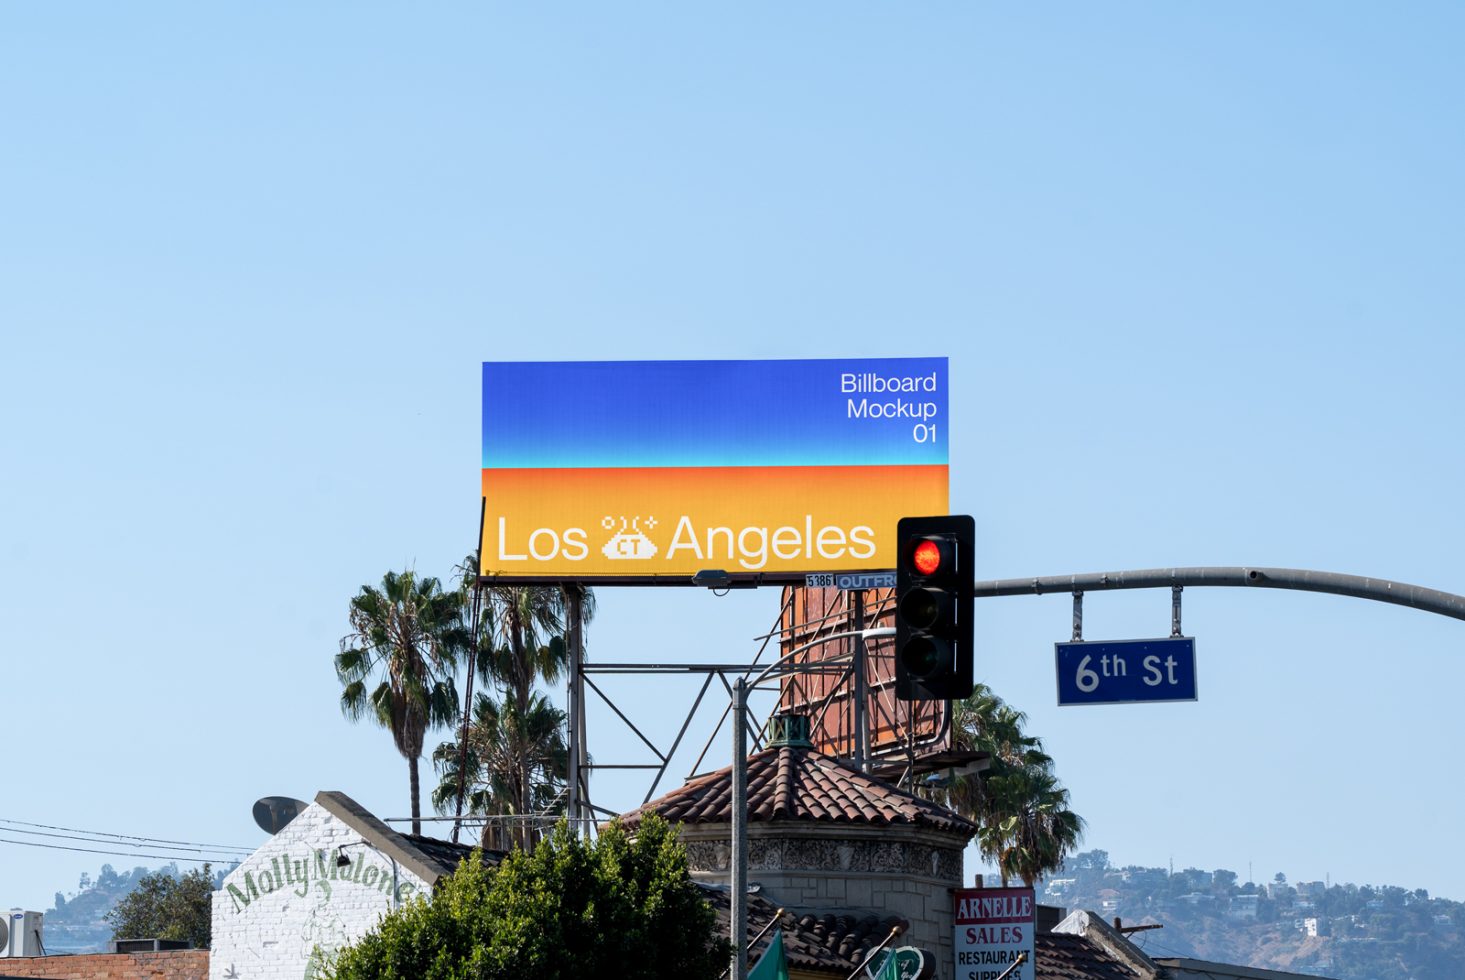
(899, 762)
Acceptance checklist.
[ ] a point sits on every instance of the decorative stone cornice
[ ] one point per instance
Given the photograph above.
(832, 856)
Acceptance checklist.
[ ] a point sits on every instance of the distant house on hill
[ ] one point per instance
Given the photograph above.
(1151, 877)
(1243, 906)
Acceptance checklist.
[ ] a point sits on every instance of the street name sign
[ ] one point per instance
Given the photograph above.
(1126, 671)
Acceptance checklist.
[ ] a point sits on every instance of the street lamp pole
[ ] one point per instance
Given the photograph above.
(739, 884)
(738, 872)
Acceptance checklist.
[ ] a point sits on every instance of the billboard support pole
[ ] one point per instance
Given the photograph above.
(474, 615)
(575, 698)
(738, 927)
(572, 786)
(861, 722)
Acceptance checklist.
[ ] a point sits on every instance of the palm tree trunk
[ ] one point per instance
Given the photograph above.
(523, 789)
(416, 797)
(523, 672)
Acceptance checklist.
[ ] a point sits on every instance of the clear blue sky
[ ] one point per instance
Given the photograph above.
(1196, 267)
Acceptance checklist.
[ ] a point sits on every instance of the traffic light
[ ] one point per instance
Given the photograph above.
(933, 612)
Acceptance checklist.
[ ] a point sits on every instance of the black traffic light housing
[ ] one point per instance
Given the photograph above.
(935, 561)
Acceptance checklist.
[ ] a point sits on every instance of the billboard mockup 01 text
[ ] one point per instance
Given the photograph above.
(659, 469)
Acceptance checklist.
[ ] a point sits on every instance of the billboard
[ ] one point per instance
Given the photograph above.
(655, 470)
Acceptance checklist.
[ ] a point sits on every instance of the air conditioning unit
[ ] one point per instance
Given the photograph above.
(20, 934)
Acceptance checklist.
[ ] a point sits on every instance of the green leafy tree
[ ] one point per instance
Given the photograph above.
(163, 906)
(399, 660)
(617, 907)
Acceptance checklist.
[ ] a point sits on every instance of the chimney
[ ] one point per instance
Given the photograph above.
(787, 728)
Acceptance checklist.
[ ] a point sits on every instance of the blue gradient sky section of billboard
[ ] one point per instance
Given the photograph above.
(561, 414)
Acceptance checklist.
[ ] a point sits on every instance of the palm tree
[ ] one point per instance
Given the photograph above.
(525, 626)
(520, 631)
(405, 638)
(1024, 824)
(1039, 829)
(519, 640)
(517, 763)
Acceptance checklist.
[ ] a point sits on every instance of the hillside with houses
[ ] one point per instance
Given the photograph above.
(77, 922)
(1347, 931)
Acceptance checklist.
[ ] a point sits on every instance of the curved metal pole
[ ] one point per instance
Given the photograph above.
(771, 668)
(1301, 579)
(738, 872)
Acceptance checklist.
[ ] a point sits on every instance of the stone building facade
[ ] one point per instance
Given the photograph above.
(825, 838)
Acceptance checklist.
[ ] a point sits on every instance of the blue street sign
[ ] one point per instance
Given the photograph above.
(1126, 671)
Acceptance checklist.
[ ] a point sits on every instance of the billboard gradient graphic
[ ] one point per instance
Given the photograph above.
(652, 469)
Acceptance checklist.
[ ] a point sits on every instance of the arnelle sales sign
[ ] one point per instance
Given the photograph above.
(657, 469)
(994, 926)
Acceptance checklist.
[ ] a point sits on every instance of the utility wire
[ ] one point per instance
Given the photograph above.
(97, 840)
(1161, 947)
(123, 837)
(93, 850)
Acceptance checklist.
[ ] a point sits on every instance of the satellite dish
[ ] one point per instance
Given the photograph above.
(273, 812)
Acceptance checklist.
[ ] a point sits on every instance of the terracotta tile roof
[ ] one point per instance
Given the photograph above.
(1061, 956)
(836, 944)
(824, 942)
(792, 783)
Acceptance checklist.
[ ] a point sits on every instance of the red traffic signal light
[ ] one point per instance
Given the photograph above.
(933, 611)
(928, 556)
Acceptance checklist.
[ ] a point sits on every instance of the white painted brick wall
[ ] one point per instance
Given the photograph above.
(288, 902)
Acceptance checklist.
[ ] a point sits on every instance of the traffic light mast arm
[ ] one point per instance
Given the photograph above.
(1300, 579)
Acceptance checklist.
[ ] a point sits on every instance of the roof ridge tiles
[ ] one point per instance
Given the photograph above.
(791, 783)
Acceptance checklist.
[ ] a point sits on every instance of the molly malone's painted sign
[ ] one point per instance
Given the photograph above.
(993, 926)
(656, 469)
(320, 869)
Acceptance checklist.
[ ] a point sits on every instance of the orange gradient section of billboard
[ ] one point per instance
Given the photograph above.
(568, 523)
